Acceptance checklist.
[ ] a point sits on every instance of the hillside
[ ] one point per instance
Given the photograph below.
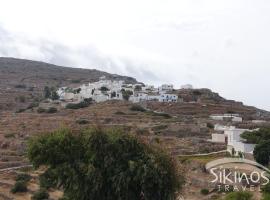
(22, 81)
(181, 128)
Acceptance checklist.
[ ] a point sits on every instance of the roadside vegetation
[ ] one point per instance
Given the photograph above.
(261, 138)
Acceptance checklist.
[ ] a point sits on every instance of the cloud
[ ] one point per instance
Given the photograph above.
(16, 45)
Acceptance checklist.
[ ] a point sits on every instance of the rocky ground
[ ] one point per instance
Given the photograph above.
(180, 132)
(182, 129)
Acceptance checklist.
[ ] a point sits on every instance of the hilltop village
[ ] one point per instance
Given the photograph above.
(104, 90)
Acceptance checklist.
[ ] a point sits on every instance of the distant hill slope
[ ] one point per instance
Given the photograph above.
(23, 80)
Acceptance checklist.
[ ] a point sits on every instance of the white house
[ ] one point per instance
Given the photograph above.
(218, 138)
(104, 90)
(219, 127)
(236, 142)
(166, 87)
(232, 136)
(168, 98)
(187, 87)
(138, 97)
(227, 117)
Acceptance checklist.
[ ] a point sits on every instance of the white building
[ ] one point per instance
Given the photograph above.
(165, 87)
(104, 90)
(218, 138)
(168, 98)
(187, 87)
(226, 117)
(138, 97)
(232, 136)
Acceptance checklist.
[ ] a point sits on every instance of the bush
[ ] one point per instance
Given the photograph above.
(239, 196)
(23, 177)
(42, 194)
(266, 196)
(126, 94)
(261, 152)
(33, 105)
(161, 114)
(119, 113)
(20, 186)
(138, 108)
(85, 164)
(22, 99)
(41, 110)
(82, 104)
(9, 135)
(20, 110)
(204, 191)
(266, 188)
(47, 179)
(51, 110)
(82, 121)
(20, 86)
(210, 125)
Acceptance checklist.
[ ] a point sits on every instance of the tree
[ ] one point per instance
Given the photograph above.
(55, 96)
(126, 94)
(262, 152)
(105, 165)
(47, 92)
(255, 137)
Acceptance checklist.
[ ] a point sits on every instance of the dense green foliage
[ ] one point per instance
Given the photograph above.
(21, 183)
(137, 107)
(255, 137)
(23, 177)
(49, 110)
(82, 104)
(50, 93)
(126, 94)
(20, 186)
(239, 196)
(260, 137)
(105, 165)
(204, 191)
(41, 194)
(262, 152)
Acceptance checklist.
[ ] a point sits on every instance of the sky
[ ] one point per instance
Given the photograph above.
(223, 45)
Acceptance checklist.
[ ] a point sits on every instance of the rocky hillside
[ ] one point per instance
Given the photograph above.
(22, 81)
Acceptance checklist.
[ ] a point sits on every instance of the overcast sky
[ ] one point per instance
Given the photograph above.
(223, 45)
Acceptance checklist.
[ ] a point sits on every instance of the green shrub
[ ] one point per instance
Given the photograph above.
(119, 113)
(161, 114)
(210, 125)
(20, 186)
(22, 99)
(33, 105)
(266, 188)
(239, 196)
(82, 104)
(9, 135)
(82, 121)
(204, 191)
(138, 108)
(41, 110)
(23, 177)
(266, 196)
(126, 94)
(20, 86)
(51, 110)
(20, 110)
(85, 164)
(41, 194)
